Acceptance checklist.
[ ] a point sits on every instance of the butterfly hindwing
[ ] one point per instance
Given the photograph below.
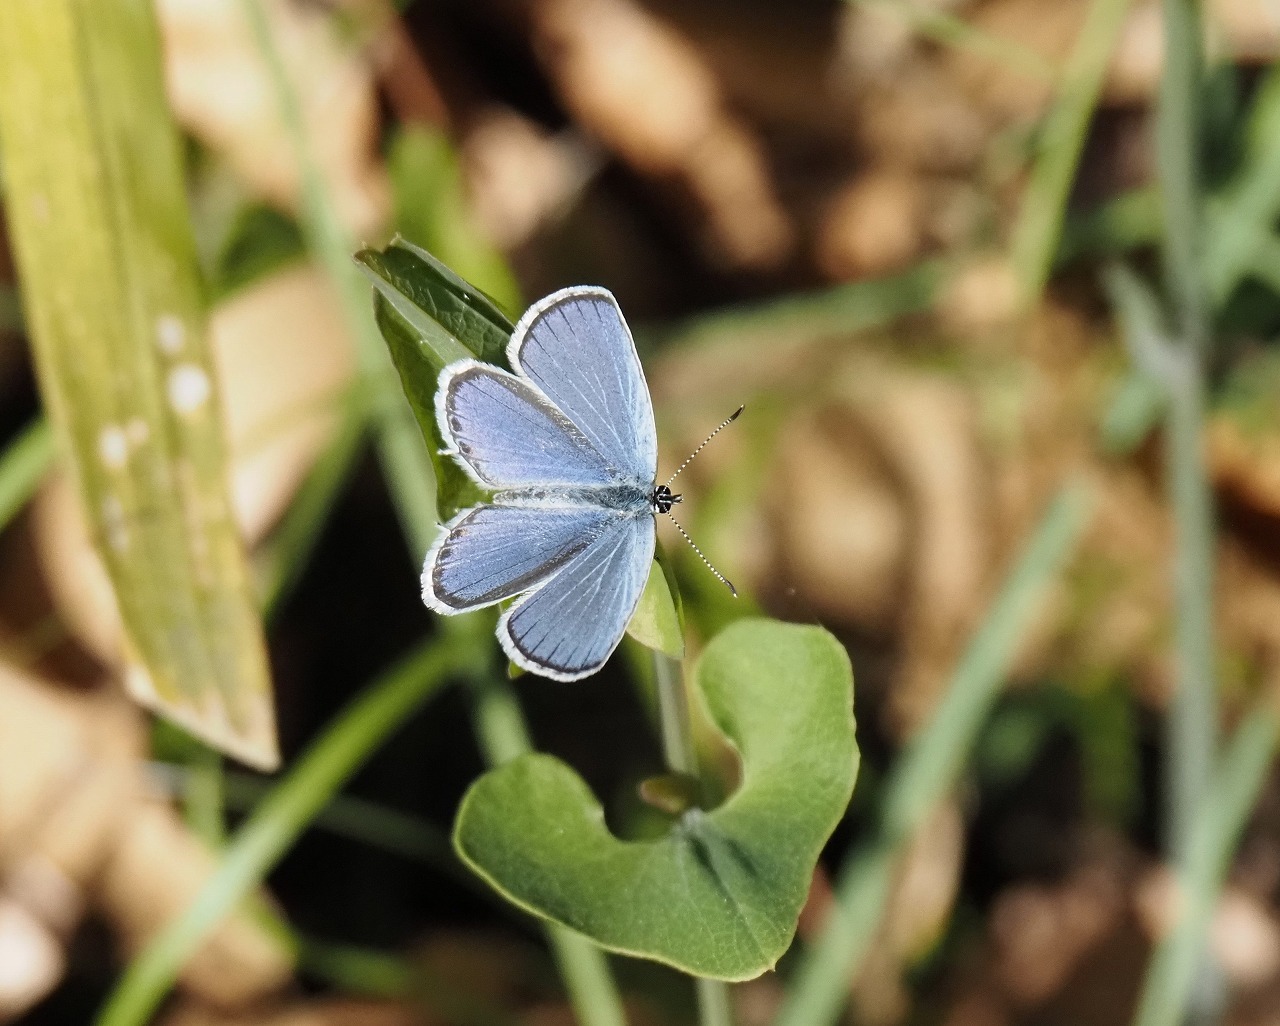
(569, 626)
(576, 347)
(490, 552)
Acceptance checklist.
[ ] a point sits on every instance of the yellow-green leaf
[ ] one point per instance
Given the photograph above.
(98, 213)
(658, 622)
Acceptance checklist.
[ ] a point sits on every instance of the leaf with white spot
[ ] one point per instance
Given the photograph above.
(112, 296)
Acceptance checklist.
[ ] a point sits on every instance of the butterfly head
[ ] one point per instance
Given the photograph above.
(662, 500)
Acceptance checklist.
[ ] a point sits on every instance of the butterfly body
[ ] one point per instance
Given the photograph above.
(567, 446)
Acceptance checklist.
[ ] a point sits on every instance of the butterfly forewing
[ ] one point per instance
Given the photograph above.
(489, 553)
(506, 434)
(569, 626)
(576, 347)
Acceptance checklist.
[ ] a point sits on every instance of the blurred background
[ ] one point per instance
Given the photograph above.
(884, 226)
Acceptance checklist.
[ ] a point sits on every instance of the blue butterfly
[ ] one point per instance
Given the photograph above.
(568, 447)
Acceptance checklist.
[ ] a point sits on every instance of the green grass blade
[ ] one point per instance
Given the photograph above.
(929, 767)
(949, 30)
(401, 452)
(10, 309)
(276, 823)
(841, 310)
(1179, 139)
(113, 304)
(22, 467)
(280, 561)
(1129, 221)
(408, 467)
(1244, 770)
(354, 970)
(1039, 227)
(1240, 221)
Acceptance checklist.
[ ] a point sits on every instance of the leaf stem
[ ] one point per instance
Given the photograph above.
(714, 1008)
(1244, 769)
(1178, 155)
(673, 715)
(1193, 715)
(681, 755)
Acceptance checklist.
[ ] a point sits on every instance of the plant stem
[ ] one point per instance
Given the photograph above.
(1193, 716)
(681, 755)
(713, 1003)
(583, 966)
(1244, 770)
(1178, 164)
(673, 715)
(1061, 139)
(401, 451)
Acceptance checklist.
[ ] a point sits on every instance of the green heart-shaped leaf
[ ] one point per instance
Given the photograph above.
(718, 896)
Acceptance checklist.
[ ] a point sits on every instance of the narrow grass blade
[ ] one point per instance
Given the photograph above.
(1128, 221)
(280, 561)
(1241, 218)
(401, 451)
(1237, 784)
(1039, 227)
(112, 297)
(841, 310)
(950, 30)
(929, 768)
(22, 467)
(276, 823)
(10, 309)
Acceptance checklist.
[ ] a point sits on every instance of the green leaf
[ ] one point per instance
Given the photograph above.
(97, 207)
(429, 317)
(720, 894)
(658, 622)
(454, 490)
(260, 240)
(453, 318)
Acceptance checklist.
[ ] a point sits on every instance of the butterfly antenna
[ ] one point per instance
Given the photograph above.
(685, 535)
(695, 452)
